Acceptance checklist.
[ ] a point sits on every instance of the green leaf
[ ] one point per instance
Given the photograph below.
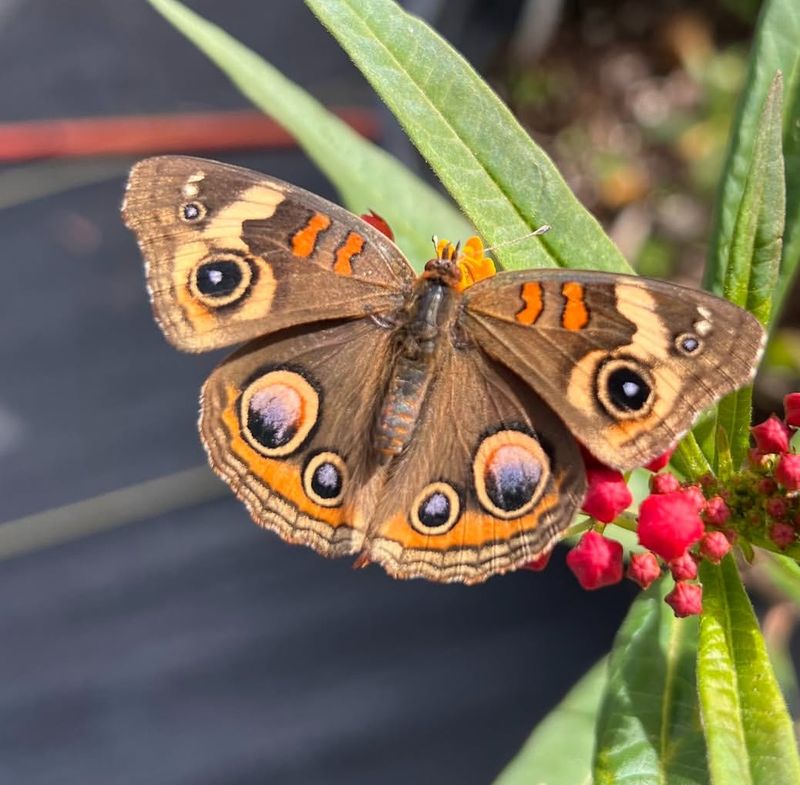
(754, 255)
(748, 729)
(775, 49)
(689, 459)
(559, 751)
(648, 728)
(365, 176)
(504, 182)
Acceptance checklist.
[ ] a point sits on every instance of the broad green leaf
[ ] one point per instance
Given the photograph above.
(648, 727)
(503, 181)
(365, 176)
(775, 48)
(559, 751)
(754, 257)
(748, 729)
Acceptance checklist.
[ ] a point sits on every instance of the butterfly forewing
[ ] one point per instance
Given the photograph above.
(628, 363)
(232, 255)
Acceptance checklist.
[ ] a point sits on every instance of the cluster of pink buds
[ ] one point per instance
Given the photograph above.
(680, 524)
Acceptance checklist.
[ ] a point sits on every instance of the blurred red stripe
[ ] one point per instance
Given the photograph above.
(139, 135)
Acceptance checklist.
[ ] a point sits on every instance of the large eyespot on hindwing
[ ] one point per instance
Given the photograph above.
(221, 278)
(510, 472)
(324, 478)
(625, 388)
(277, 412)
(436, 509)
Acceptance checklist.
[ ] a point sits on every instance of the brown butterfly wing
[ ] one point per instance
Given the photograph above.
(490, 480)
(231, 254)
(627, 363)
(286, 422)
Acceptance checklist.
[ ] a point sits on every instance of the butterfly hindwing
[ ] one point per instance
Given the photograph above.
(231, 254)
(489, 482)
(286, 423)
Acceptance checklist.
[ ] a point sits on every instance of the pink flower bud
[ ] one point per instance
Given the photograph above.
(669, 524)
(607, 496)
(771, 436)
(767, 486)
(686, 599)
(643, 568)
(776, 507)
(714, 546)
(791, 406)
(787, 472)
(596, 561)
(684, 568)
(539, 563)
(782, 534)
(661, 461)
(716, 512)
(664, 483)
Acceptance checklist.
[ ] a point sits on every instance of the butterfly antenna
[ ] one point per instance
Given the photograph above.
(544, 228)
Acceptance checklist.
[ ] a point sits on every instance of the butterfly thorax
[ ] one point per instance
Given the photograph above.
(427, 322)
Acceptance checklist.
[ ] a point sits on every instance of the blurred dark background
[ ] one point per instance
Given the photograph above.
(189, 646)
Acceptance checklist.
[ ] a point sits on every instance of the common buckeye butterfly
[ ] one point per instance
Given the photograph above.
(427, 426)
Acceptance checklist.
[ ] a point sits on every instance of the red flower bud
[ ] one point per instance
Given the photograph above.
(757, 459)
(608, 495)
(539, 563)
(782, 534)
(643, 568)
(787, 472)
(767, 486)
(664, 483)
(379, 223)
(716, 512)
(776, 507)
(791, 406)
(686, 599)
(684, 568)
(669, 524)
(659, 463)
(695, 493)
(714, 546)
(772, 435)
(596, 561)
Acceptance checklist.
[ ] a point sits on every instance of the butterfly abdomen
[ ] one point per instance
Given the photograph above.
(414, 367)
(401, 407)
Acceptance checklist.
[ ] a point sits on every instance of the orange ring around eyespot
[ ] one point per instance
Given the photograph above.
(289, 402)
(453, 500)
(211, 301)
(316, 461)
(634, 366)
(510, 446)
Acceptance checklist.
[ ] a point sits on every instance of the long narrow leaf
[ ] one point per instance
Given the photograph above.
(504, 182)
(365, 176)
(559, 751)
(648, 728)
(755, 254)
(775, 48)
(748, 728)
